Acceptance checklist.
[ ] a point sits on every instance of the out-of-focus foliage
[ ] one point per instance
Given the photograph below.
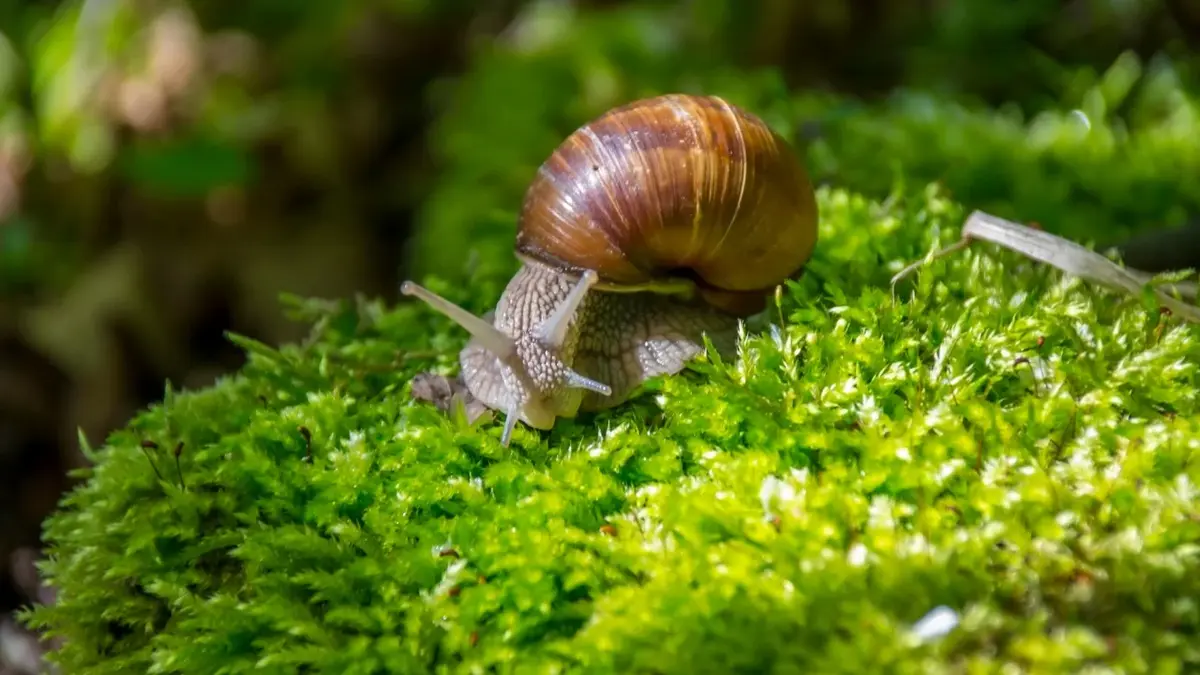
(1115, 151)
(180, 100)
(1081, 169)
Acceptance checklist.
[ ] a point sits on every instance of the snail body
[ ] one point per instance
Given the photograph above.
(660, 222)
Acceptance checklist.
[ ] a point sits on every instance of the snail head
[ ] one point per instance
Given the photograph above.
(525, 374)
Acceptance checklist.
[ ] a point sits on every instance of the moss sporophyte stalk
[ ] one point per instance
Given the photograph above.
(875, 483)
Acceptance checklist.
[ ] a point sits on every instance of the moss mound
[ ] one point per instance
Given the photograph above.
(991, 437)
(994, 438)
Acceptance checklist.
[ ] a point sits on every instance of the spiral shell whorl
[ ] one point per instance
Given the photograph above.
(674, 186)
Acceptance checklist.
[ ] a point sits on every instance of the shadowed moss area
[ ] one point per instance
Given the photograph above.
(992, 437)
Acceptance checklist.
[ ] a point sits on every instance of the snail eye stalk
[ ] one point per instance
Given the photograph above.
(553, 331)
(493, 340)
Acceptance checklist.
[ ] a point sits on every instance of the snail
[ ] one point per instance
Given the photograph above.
(660, 222)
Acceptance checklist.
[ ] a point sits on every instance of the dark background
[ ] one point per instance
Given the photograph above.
(167, 169)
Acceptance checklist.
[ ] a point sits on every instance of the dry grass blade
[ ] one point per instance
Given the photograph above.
(1064, 254)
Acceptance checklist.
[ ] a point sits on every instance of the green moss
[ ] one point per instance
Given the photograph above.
(992, 437)
(989, 436)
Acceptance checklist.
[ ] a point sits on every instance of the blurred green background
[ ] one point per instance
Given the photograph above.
(168, 169)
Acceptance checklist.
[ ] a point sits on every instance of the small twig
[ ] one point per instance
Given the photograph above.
(178, 468)
(1064, 254)
(146, 447)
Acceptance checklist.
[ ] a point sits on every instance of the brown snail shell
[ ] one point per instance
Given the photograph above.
(675, 187)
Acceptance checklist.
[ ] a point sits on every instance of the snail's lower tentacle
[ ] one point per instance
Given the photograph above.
(578, 381)
(510, 422)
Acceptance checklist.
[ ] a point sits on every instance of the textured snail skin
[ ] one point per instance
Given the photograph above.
(615, 339)
(658, 224)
